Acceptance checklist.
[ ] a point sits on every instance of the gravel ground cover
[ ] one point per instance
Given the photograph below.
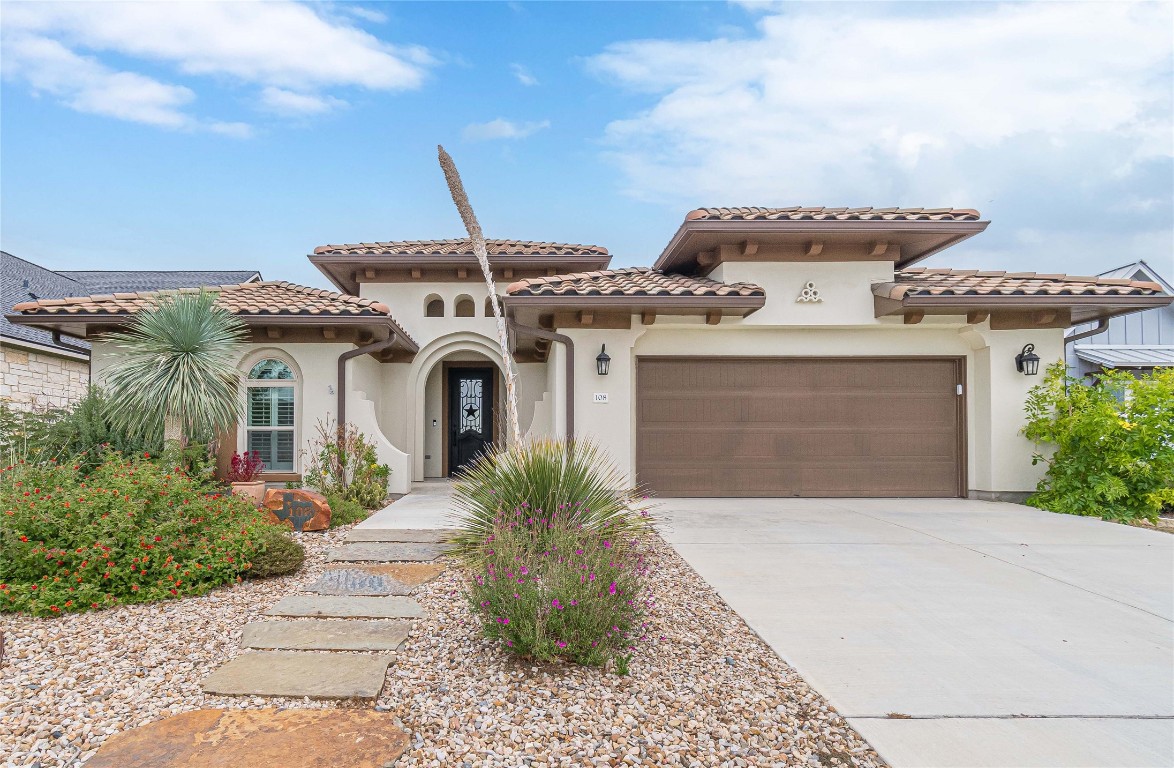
(703, 691)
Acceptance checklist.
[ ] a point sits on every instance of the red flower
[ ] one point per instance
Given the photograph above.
(174, 592)
(158, 538)
(55, 609)
(24, 538)
(146, 455)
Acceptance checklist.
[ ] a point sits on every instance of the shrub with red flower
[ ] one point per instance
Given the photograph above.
(132, 530)
(245, 467)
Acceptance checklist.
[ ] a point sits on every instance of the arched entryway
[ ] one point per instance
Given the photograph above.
(458, 394)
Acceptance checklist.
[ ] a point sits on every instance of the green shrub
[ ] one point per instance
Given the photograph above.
(343, 511)
(560, 590)
(342, 463)
(543, 477)
(278, 554)
(130, 531)
(1114, 443)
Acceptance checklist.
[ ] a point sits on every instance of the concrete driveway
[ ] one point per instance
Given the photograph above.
(999, 635)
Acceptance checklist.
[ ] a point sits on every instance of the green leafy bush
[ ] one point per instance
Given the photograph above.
(545, 476)
(277, 554)
(1114, 443)
(342, 463)
(554, 589)
(130, 531)
(343, 511)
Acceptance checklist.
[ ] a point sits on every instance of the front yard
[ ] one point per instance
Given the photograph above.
(703, 691)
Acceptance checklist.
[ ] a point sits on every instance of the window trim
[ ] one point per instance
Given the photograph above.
(242, 437)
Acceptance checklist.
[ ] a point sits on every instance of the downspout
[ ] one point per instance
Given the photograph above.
(67, 346)
(377, 346)
(1101, 325)
(539, 333)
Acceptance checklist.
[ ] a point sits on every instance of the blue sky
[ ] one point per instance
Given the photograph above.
(242, 135)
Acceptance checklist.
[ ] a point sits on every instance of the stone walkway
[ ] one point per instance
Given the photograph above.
(313, 649)
(335, 643)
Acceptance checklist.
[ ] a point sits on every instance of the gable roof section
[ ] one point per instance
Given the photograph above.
(465, 246)
(820, 213)
(631, 282)
(1140, 267)
(137, 281)
(1127, 355)
(272, 303)
(42, 283)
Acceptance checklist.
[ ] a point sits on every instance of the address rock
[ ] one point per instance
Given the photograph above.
(302, 509)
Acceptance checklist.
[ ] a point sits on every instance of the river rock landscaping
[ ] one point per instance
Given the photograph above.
(702, 690)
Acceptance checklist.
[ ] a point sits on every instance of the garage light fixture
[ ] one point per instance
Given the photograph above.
(1027, 361)
(602, 361)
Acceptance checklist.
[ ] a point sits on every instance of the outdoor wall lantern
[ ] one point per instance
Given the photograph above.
(1027, 361)
(603, 361)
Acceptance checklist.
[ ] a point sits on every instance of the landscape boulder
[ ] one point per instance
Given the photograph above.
(302, 509)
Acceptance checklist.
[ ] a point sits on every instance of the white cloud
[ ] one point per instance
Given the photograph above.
(523, 75)
(1060, 107)
(285, 102)
(502, 129)
(366, 14)
(286, 50)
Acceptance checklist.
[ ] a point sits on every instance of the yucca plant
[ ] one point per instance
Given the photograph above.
(175, 374)
(535, 480)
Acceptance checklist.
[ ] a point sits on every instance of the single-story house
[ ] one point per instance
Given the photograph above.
(1137, 342)
(766, 352)
(43, 369)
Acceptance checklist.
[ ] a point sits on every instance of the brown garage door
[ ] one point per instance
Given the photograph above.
(800, 426)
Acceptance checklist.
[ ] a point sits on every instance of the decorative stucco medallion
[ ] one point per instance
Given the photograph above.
(809, 294)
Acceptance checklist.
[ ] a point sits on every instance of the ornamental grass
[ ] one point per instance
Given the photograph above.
(549, 475)
(130, 531)
(557, 550)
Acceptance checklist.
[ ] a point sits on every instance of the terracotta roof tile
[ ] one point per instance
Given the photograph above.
(923, 281)
(799, 213)
(249, 299)
(464, 246)
(633, 281)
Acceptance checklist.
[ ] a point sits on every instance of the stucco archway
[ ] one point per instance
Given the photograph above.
(450, 346)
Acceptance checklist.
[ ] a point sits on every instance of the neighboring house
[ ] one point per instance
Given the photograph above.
(1137, 342)
(767, 352)
(38, 369)
(42, 369)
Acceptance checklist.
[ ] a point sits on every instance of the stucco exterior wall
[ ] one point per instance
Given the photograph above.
(32, 380)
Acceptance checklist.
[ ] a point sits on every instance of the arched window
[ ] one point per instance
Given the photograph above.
(489, 305)
(434, 307)
(465, 307)
(271, 414)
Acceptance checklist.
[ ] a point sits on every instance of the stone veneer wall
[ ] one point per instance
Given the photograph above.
(31, 380)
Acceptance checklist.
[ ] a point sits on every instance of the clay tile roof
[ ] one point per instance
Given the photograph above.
(463, 246)
(819, 213)
(633, 281)
(923, 281)
(246, 299)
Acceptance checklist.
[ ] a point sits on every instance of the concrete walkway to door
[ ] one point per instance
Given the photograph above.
(427, 506)
(954, 632)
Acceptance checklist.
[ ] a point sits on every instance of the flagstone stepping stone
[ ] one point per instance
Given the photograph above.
(300, 673)
(354, 581)
(418, 535)
(327, 635)
(384, 552)
(347, 607)
(411, 574)
(291, 738)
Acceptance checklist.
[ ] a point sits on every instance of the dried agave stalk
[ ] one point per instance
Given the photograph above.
(470, 219)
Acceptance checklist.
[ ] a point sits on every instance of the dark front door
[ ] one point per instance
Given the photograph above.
(470, 415)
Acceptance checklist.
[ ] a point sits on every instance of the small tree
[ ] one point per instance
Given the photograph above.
(176, 372)
(1114, 443)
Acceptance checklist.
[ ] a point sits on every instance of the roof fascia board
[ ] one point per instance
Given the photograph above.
(49, 349)
(636, 302)
(1031, 302)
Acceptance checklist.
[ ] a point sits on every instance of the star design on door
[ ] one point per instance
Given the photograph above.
(471, 412)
